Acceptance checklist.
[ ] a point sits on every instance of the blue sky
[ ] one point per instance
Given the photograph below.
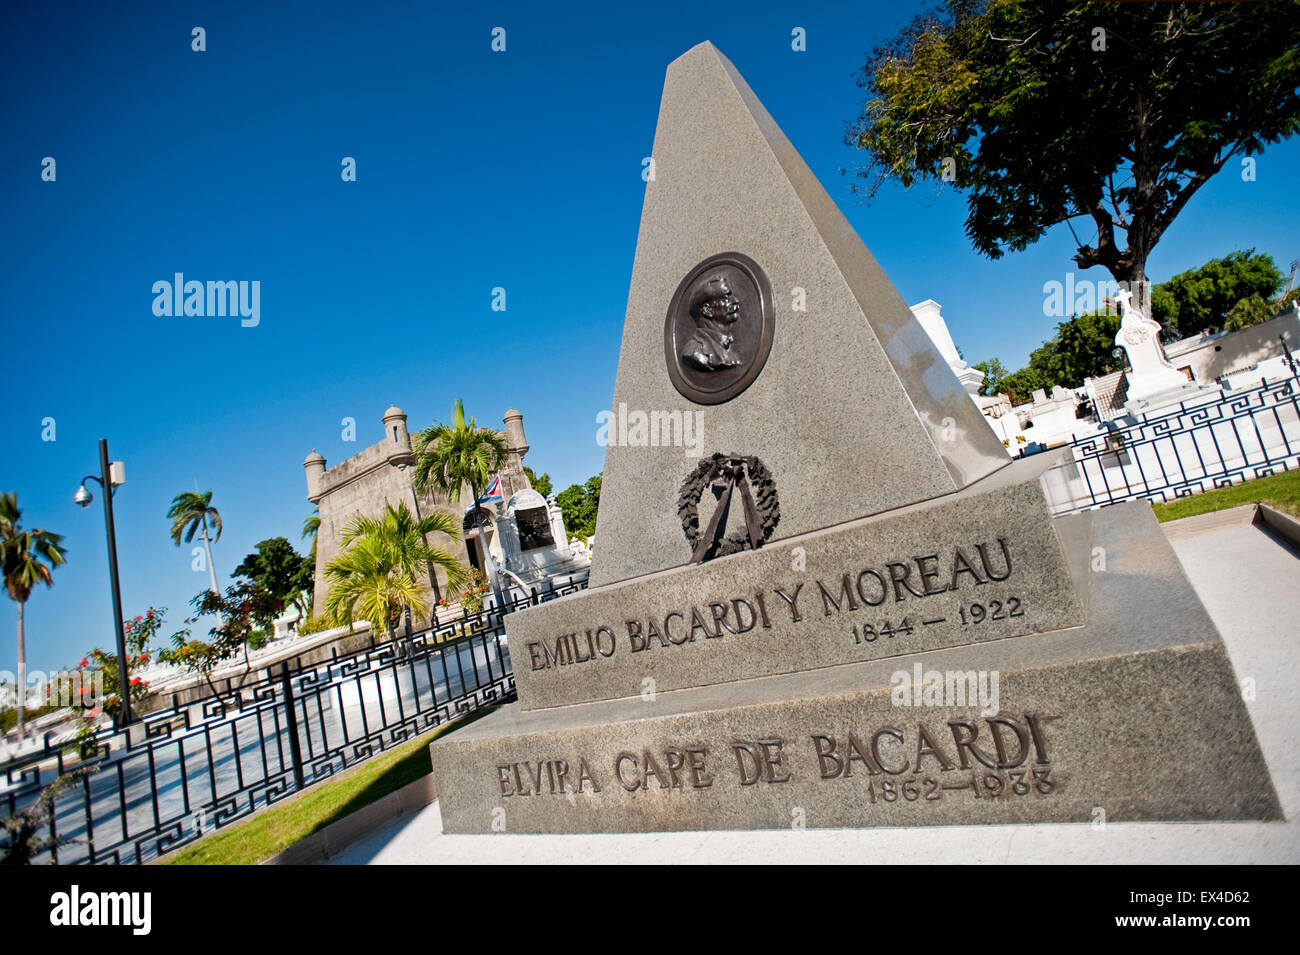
(475, 170)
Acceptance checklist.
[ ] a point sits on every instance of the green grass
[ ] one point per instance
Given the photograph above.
(1281, 491)
(278, 827)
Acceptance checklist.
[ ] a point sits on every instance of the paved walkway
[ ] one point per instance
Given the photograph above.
(1250, 584)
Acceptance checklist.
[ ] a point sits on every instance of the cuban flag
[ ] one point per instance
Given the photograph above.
(493, 493)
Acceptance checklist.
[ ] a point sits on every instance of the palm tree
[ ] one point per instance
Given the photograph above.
(447, 457)
(374, 577)
(21, 552)
(309, 528)
(191, 513)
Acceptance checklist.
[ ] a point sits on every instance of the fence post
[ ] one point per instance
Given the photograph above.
(295, 753)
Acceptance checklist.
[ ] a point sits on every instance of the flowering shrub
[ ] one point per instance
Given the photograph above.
(241, 611)
(99, 687)
(106, 663)
(472, 591)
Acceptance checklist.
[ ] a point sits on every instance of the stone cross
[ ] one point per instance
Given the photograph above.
(1139, 336)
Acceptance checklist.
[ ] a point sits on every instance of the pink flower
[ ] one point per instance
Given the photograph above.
(84, 662)
(139, 618)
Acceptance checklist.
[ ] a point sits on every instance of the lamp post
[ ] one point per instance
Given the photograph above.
(1286, 350)
(111, 476)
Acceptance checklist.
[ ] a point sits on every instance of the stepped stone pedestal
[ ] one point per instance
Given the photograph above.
(847, 608)
(1136, 712)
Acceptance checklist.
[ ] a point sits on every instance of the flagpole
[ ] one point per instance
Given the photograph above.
(489, 565)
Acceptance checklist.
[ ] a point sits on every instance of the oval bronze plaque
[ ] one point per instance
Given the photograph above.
(719, 328)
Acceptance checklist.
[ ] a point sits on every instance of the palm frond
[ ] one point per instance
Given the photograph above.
(27, 557)
(376, 574)
(449, 457)
(188, 511)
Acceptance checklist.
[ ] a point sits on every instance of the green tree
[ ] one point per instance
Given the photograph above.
(243, 610)
(1202, 297)
(138, 632)
(1019, 386)
(579, 504)
(540, 483)
(310, 528)
(192, 513)
(994, 372)
(1084, 347)
(281, 571)
(27, 558)
(1249, 311)
(365, 584)
(1016, 103)
(374, 577)
(448, 457)
(1230, 292)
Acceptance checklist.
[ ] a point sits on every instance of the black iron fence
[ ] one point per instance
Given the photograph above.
(194, 767)
(1242, 435)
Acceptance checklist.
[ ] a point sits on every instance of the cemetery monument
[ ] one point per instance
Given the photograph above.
(851, 609)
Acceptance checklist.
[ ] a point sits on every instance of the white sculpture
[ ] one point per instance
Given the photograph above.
(1150, 374)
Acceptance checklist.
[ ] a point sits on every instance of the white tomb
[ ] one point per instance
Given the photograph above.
(1152, 380)
(929, 314)
(534, 543)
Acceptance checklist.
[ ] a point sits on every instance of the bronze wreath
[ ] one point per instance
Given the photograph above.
(725, 473)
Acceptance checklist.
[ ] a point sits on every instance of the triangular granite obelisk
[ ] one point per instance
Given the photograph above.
(853, 412)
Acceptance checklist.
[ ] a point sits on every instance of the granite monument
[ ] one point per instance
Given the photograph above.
(924, 646)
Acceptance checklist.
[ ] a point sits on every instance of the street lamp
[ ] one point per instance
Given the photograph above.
(1286, 350)
(111, 475)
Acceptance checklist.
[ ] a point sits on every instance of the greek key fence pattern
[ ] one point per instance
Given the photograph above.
(193, 768)
(1245, 435)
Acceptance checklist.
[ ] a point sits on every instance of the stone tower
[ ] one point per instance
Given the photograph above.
(382, 474)
(513, 477)
(398, 438)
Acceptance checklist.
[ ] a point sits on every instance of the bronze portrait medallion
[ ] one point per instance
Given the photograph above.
(719, 328)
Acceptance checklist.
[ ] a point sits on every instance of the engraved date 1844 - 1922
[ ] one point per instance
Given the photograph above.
(972, 614)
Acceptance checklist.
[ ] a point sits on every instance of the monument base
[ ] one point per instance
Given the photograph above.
(1153, 401)
(981, 564)
(1137, 715)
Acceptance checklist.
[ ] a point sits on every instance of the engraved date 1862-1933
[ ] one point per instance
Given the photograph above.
(984, 786)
